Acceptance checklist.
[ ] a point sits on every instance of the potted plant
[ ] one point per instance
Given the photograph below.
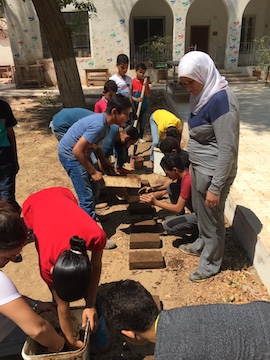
(262, 56)
(159, 51)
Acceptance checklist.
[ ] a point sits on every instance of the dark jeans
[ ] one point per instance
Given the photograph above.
(142, 121)
(87, 190)
(121, 155)
(7, 187)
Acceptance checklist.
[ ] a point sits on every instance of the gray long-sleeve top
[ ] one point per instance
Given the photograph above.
(214, 138)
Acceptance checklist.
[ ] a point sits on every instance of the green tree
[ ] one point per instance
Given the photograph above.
(60, 43)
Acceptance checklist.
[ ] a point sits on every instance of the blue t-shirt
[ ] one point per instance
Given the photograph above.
(66, 117)
(93, 128)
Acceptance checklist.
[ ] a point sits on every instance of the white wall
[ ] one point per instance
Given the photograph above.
(24, 32)
(110, 29)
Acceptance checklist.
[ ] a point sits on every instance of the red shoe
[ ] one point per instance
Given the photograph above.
(122, 171)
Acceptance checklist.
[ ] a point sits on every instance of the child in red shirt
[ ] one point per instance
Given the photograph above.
(179, 190)
(110, 89)
(63, 233)
(136, 93)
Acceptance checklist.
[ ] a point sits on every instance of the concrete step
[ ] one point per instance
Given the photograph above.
(237, 76)
(242, 79)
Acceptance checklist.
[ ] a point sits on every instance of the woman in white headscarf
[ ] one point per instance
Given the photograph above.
(213, 150)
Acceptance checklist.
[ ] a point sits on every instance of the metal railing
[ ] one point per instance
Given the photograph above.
(142, 53)
(247, 54)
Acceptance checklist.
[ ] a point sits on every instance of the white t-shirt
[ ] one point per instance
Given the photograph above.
(123, 85)
(8, 292)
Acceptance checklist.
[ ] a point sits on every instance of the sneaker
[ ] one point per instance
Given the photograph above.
(197, 276)
(186, 248)
(122, 171)
(141, 141)
(110, 245)
(18, 259)
(102, 337)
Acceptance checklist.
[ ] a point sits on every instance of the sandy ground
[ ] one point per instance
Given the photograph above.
(40, 168)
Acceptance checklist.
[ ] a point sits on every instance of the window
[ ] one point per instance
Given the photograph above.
(247, 33)
(78, 23)
(146, 29)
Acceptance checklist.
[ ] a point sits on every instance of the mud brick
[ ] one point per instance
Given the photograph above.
(145, 241)
(145, 226)
(158, 302)
(145, 182)
(146, 259)
(141, 209)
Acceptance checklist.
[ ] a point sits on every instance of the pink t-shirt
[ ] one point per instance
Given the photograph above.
(101, 105)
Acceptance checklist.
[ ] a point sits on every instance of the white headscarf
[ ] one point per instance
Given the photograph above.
(198, 66)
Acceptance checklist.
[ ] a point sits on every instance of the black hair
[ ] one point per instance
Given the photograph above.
(141, 66)
(132, 132)
(129, 306)
(169, 144)
(119, 102)
(13, 232)
(110, 85)
(72, 271)
(122, 59)
(173, 131)
(171, 161)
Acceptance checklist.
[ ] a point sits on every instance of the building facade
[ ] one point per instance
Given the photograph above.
(225, 29)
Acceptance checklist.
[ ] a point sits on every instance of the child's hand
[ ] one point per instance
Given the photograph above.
(148, 199)
(145, 189)
(97, 176)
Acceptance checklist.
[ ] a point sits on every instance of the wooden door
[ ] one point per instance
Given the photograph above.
(199, 37)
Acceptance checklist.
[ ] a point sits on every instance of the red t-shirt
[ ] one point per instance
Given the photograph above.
(101, 105)
(54, 216)
(185, 191)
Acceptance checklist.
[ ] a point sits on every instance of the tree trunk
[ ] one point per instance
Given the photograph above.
(60, 44)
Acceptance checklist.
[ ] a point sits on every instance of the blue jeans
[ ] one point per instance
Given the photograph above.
(7, 187)
(155, 137)
(87, 190)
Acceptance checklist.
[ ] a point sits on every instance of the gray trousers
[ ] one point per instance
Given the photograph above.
(211, 241)
(179, 225)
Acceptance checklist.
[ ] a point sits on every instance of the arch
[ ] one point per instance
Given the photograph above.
(148, 19)
(207, 22)
(255, 24)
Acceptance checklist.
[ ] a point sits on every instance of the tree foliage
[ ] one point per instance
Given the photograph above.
(59, 40)
(80, 5)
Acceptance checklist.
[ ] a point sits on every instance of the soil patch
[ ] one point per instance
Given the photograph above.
(237, 282)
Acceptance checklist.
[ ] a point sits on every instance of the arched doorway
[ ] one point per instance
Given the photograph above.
(255, 24)
(150, 21)
(206, 28)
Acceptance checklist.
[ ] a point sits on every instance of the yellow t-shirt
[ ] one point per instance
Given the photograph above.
(164, 118)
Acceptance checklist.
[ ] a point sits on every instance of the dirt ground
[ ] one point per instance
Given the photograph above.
(40, 168)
